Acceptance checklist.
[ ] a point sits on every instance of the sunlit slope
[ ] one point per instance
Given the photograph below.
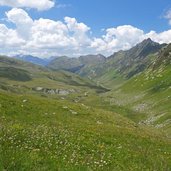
(149, 93)
(48, 134)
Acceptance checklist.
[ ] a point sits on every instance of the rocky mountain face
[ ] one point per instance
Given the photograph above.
(131, 62)
(163, 58)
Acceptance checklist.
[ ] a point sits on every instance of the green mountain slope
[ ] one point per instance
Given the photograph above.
(135, 60)
(65, 63)
(123, 65)
(81, 65)
(149, 93)
(15, 73)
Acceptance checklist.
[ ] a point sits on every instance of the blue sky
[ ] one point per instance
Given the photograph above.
(98, 14)
(102, 26)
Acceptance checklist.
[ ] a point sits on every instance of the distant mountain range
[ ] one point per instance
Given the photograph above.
(63, 62)
(12, 69)
(76, 64)
(34, 59)
(126, 63)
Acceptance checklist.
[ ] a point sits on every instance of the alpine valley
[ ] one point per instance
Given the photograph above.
(87, 113)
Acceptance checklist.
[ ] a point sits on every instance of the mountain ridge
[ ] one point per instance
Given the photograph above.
(34, 59)
(126, 63)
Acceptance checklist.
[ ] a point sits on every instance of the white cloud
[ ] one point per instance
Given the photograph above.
(163, 37)
(78, 31)
(168, 16)
(122, 37)
(63, 5)
(125, 37)
(38, 4)
(9, 38)
(22, 21)
(45, 37)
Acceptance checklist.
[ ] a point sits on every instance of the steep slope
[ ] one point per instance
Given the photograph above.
(135, 60)
(149, 93)
(164, 57)
(123, 65)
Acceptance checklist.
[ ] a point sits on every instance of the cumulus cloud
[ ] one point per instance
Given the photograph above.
(126, 36)
(45, 37)
(22, 21)
(38, 4)
(163, 37)
(122, 37)
(9, 38)
(78, 31)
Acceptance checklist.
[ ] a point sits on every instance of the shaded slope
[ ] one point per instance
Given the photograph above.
(14, 74)
(79, 65)
(34, 59)
(12, 71)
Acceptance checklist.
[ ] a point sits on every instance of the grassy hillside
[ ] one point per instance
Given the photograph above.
(149, 93)
(48, 134)
(15, 73)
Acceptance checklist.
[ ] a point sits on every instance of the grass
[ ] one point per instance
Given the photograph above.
(43, 134)
(147, 95)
